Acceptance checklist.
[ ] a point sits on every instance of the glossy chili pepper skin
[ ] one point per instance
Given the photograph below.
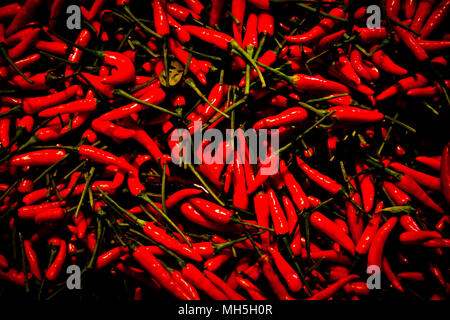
(375, 255)
(365, 241)
(324, 26)
(148, 261)
(323, 181)
(435, 19)
(325, 225)
(56, 267)
(445, 174)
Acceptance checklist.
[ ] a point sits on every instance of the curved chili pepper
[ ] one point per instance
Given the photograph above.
(238, 11)
(320, 30)
(279, 220)
(181, 13)
(9, 11)
(274, 281)
(43, 157)
(435, 19)
(384, 62)
(397, 195)
(194, 276)
(290, 116)
(421, 178)
(54, 214)
(56, 267)
(354, 219)
(409, 7)
(375, 255)
(412, 44)
(417, 237)
(333, 288)
(215, 14)
(333, 231)
(323, 181)
(407, 184)
(422, 11)
(32, 260)
(292, 279)
(25, 13)
(408, 223)
(110, 256)
(178, 278)
(432, 162)
(148, 261)
(363, 245)
(445, 174)
(367, 186)
(254, 292)
(391, 275)
(160, 18)
(415, 81)
(84, 105)
(101, 156)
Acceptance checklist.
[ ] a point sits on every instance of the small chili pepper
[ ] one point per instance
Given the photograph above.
(422, 12)
(407, 184)
(160, 18)
(56, 267)
(292, 279)
(369, 232)
(110, 256)
(409, 7)
(384, 62)
(432, 162)
(238, 11)
(148, 261)
(408, 223)
(9, 11)
(328, 227)
(320, 30)
(412, 44)
(415, 81)
(43, 157)
(375, 255)
(274, 281)
(254, 292)
(290, 116)
(391, 275)
(397, 195)
(445, 174)
(333, 288)
(84, 105)
(25, 13)
(194, 276)
(181, 13)
(32, 260)
(417, 237)
(215, 14)
(421, 178)
(104, 157)
(323, 181)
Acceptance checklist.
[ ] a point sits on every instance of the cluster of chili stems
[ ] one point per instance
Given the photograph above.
(86, 175)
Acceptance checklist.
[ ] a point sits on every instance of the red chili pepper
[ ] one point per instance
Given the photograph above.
(9, 11)
(84, 105)
(223, 286)
(194, 276)
(435, 19)
(375, 255)
(317, 32)
(254, 292)
(366, 239)
(412, 44)
(181, 13)
(292, 279)
(56, 267)
(422, 11)
(23, 16)
(333, 231)
(384, 62)
(215, 14)
(323, 181)
(408, 223)
(274, 281)
(397, 195)
(421, 178)
(104, 157)
(367, 186)
(148, 261)
(407, 184)
(187, 287)
(160, 18)
(445, 174)
(415, 81)
(290, 116)
(354, 218)
(48, 215)
(110, 256)
(43, 157)
(393, 8)
(195, 5)
(418, 237)
(238, 11)
(409, 7)
(279, 220)
(333, 288)
(32, 260)
(391, 275)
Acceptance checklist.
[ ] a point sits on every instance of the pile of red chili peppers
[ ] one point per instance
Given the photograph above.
(87, 179)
